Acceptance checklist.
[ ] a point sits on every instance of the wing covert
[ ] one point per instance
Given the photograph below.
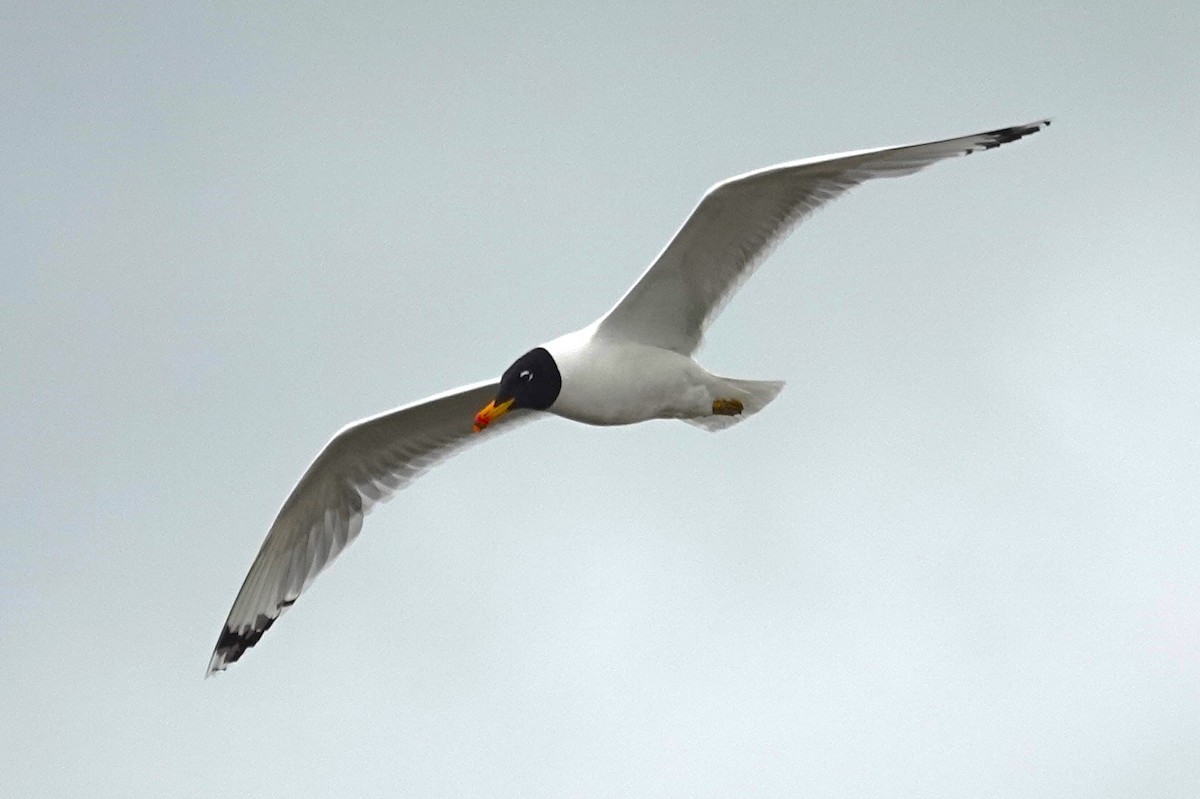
(740, 220)
(364, 464)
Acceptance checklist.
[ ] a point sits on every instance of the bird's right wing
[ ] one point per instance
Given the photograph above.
(363, 464)
(740, 219)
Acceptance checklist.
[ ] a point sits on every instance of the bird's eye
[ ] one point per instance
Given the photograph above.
(526, 375)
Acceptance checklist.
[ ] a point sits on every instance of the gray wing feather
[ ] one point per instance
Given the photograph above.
(739, 221)
(364, 464)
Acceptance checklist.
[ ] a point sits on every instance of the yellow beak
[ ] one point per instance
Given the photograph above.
(491, 413)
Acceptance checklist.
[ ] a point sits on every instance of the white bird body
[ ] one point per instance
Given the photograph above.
(612, 381)
(633, 364)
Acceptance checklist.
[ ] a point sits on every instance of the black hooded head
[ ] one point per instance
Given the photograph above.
(532, 381)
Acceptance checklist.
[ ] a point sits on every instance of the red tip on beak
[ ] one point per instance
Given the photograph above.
(490, 414)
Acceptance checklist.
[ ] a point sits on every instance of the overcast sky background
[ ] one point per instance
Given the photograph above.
(957, 557)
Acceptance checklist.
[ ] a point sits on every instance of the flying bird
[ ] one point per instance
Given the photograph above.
(633, 364)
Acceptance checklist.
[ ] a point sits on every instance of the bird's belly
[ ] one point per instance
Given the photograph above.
(632, 383)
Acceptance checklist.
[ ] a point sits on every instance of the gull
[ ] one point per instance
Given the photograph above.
(633, 364)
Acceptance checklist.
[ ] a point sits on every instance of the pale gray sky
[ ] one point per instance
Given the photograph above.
(958, 557)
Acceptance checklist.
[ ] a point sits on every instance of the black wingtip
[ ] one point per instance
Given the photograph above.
(232, 644)
(994, 138)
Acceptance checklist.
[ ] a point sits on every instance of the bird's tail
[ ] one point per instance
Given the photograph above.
(754, 396)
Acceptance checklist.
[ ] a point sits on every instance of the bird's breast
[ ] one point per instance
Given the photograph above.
(608, 382)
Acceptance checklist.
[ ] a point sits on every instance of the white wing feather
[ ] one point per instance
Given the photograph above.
(740, 220)
(365, 463)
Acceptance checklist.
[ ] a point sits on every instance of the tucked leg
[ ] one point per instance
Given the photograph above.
(726, 407)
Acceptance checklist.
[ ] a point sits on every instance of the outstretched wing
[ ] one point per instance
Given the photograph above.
(365, 463)
(740, 220)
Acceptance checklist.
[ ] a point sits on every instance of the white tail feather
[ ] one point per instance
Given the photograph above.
(754, 395)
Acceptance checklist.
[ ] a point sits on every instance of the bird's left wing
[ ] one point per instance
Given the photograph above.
(365, 463)
(738, 222)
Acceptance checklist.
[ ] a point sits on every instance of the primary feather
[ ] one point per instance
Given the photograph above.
(364, 464)
(739, 220)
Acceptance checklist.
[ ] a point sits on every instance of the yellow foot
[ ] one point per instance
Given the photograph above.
(726, 407)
